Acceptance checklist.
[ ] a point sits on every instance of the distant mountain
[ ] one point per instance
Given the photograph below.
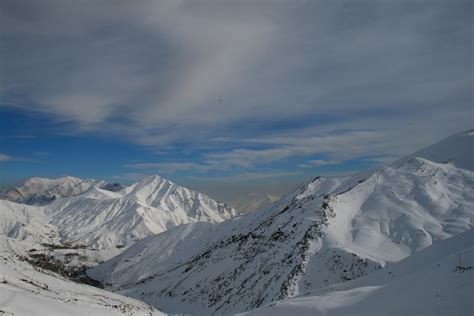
(78, 224)
(41, 191)
(325, 232)
(96, 224)
(107, 220)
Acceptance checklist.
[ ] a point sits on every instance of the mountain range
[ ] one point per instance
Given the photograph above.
(332, 246)
(96, 223)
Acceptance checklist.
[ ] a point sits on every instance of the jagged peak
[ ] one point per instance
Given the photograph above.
(150, 183)
(153, 179)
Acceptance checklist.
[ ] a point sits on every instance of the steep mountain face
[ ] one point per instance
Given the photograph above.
(28, 290)
(177, 201)
(41, 191)
(434, 281)
(325, 232)
(98, 224)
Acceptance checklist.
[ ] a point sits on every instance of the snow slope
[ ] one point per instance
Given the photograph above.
(325, 232)
(437, 280)
(25, 222)
(28, 290)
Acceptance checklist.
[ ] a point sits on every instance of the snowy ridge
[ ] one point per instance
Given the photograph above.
(325, 232)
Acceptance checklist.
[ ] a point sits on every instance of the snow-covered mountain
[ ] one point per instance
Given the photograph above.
(28, 290)
(77, 223)
(96, 223)
(41, 191)
(323, 233)
(108, 220)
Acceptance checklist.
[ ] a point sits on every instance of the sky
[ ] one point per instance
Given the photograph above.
(228, 97)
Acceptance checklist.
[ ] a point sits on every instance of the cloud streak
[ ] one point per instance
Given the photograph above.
(170, 167)
(4, 157)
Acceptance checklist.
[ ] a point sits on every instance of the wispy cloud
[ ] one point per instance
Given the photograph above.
(318, 163)
(17, 136)
(170, 167)
(4, 157)
(246, 176)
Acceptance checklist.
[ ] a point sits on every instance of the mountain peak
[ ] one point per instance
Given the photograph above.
(154, 178)
(149, 184)
(457, 150)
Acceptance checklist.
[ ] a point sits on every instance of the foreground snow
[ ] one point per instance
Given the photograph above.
(28, 290)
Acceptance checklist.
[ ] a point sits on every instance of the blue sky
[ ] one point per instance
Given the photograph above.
(232, 97)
